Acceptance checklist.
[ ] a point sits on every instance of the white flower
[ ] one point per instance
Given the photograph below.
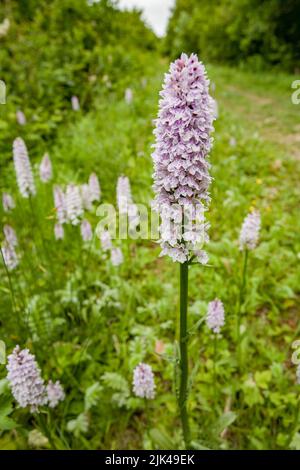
(45, 169)
(73, 204)
(23, 168)
(143, 381)
(55, 393)
(116, 256)
(249, 234)
(86, 231)
(25, 379)
(215, 317)
(8, 202)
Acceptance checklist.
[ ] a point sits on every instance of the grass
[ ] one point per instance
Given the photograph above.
(101, 321)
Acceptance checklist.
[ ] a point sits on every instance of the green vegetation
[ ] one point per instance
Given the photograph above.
(90, 323)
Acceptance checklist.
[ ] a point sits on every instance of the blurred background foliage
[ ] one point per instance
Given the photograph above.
(253, 32)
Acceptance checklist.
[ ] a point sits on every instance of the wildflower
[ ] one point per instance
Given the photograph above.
(21, 118)
(116, 256)
(143, 381)
(36, 439)
(10, 256)
(25, 379)
(128, 95)
(105, 240)
(10, 236)
(46, 169)
(23, 168)
(125, 202)
(75, 103)
(232, 142)
(86, 197)
(8, 202)
(86, 231)
(124, 197)
(73, 204)
(55, 393)
(181, 167)
(215, 317)
(249, 234)
(4, 27)
(59, 231)
(60, 204)
(94, 186)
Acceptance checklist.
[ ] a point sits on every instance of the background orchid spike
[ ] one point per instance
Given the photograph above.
(95, 189)
(143, 381)
(86, 231)
(60, 204)
(59, 232)
(55, 393)
(181, 168)
(10, 236)
(8, 202)
(73, 204)
(75, 103)
(25, 379)
(10, 256)
(215, 317)
(45, 169)
(23, 168)
(21, 118)
(116, 256)
(249, 235)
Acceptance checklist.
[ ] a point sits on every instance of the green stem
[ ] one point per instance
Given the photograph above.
(183, 392)
(12, 293)
(215, 367)
(240, 304)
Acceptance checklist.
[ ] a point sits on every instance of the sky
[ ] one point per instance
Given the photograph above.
(156, 12)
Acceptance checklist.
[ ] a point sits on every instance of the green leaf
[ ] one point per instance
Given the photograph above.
(263, 378)
(224, 422)
(92, 395)
(6, 424)
(161, 439)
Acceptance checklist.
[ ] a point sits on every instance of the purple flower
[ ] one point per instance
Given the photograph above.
(8, 202)
(181, 167)
(21, 119)
(86, 231)
(55, 393)
(215, 317)
(10, 236)
(73, 204)
(143, 381)
(60, 204)
(23, 168)
(45, 169)
(10, 256)
(105, 240)
(125, 202)
(116, 256)
(25, 379)
(94, 185)
(128, 95)
(249, 234)
(86, 197)
(75, 103)
(59, 231)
